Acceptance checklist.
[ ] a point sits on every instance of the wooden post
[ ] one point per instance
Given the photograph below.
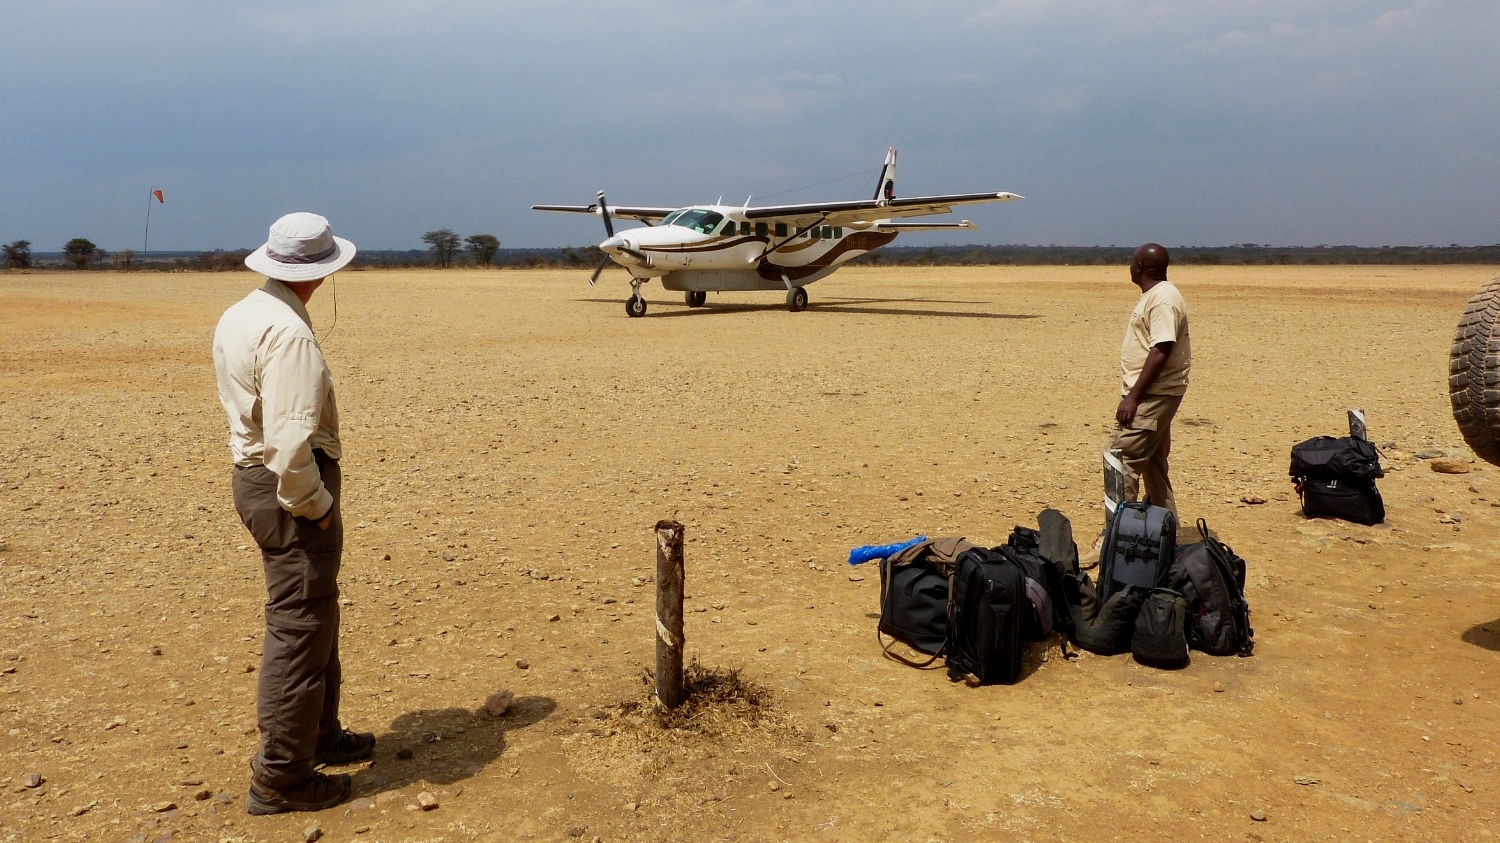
(1357, 428)
(669, 578)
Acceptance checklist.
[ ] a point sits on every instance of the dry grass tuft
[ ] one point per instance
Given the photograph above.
(716, 701)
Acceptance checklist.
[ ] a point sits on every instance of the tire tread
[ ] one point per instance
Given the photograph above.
(1474, 373)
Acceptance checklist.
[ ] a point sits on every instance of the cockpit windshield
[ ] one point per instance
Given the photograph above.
(699, 220)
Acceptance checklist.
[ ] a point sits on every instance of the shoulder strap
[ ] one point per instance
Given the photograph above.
(1056, 540)
(895, 656)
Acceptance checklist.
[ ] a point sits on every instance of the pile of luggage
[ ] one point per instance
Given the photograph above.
(976, 608)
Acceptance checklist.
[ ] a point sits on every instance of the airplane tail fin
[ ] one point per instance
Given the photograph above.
(886, 187)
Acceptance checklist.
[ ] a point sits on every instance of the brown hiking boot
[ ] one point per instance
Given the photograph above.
(313, 794)
(346, 747)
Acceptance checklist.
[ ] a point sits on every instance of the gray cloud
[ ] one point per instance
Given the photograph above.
(1288, 122)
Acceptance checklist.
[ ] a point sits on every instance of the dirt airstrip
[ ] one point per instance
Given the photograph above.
(511, 437)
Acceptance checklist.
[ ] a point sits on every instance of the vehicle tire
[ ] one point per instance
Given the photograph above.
(1474, 373)
(695, 298)
(796, 299)
(635, 306)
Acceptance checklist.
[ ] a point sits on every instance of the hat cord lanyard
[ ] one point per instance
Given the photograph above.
(335, 321)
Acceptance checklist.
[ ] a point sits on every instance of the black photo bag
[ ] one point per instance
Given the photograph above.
(985, 618)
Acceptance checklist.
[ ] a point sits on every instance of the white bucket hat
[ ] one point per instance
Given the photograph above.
(301, 248)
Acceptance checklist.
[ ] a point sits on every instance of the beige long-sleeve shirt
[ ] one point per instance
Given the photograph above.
(278, 393)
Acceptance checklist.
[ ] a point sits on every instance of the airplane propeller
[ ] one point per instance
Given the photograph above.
(609, 230)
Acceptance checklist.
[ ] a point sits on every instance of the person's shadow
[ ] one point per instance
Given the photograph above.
(1486, 635)
(444, 745)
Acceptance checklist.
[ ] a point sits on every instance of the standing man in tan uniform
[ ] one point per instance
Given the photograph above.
(1155, 357)
(284, 436)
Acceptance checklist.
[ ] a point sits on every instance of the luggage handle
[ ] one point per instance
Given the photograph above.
(894, 656)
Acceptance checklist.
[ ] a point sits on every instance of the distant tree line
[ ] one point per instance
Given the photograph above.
(446, 249)
(1245, 254)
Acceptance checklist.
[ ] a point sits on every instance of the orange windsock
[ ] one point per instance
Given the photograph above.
(157, 194)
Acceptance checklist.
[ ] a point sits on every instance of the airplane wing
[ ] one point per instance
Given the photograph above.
(870, 210)
(617, 211)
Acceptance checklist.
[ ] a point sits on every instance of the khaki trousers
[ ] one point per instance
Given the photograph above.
(1144, 446)
(297, 697)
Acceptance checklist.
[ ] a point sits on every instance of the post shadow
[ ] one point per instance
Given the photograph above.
(440, 754)
(1486, 635)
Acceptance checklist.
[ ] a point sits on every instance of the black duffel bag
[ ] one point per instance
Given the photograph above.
(914, 598)
(1336, 457)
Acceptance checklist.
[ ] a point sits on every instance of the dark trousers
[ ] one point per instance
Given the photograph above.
(297, 698)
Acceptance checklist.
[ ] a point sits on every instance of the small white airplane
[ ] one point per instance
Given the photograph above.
(724, 247)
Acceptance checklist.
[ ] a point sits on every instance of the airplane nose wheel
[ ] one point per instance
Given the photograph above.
(635, 305)
(695, 298)
(796, 299)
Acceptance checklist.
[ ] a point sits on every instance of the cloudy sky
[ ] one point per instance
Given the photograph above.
(1291, 122)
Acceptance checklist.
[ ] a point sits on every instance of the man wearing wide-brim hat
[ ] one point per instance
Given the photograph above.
(284, 436)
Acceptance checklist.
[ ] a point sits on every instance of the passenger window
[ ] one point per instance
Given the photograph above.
(827, 232)
(814, 233)
(745, 229)
(781, 229)
(838, 232)
(760, 229)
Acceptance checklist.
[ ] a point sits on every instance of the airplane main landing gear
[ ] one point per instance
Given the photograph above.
(695, 298)
(796, 299)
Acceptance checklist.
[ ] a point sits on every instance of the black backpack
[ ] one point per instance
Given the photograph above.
(1211, 577)
(1159, 638)
(985, 618)
(1138, 548)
